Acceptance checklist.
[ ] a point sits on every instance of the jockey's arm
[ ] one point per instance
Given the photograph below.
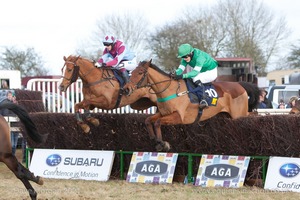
(180, 70)
(120, 55)
(192, 73)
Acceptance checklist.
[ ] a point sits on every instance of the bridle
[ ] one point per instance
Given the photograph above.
(76, 71)
(145, 74)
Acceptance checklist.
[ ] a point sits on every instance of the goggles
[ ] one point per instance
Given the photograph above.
(107, 44)
(186, 56)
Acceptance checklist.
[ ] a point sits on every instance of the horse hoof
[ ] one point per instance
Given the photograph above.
(167, 146)
(159, 147)
(95, 122)
(85, 128)
(40, 180)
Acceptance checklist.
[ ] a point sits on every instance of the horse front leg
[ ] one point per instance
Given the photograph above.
(91, 119)
(171, 119)
(80, 122)
(154, 129)
(149, 125)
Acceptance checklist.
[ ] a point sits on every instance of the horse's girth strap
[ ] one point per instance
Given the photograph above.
(119, 98)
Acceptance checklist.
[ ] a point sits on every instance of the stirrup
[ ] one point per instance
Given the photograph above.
(203, 104)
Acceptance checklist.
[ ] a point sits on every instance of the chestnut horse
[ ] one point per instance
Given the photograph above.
(175, 107)
(6, 155)
(100, 89)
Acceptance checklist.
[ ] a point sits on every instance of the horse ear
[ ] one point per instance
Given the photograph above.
(65, 59)
(150, 61)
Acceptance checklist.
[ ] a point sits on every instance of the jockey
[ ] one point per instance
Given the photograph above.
(118, 56)
(204, 67)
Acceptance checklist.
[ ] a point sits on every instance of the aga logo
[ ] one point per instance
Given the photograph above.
(151, 168)
(53, 160)
(289, 170)
(221, 172)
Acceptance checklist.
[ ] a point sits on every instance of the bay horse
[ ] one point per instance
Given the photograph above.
(100, 89)
(174, 105)
(6, 155)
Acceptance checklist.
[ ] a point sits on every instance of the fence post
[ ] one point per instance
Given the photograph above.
(121, 165)
(190, 168)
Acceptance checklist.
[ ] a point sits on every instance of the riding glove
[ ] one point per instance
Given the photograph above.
(177, 77)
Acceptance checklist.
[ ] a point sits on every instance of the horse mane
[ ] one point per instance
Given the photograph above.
(73, 58)
(155, 67)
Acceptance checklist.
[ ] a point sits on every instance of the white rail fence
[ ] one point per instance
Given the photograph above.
(63, 102)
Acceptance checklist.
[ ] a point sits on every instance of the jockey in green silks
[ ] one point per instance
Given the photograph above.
(204, 67)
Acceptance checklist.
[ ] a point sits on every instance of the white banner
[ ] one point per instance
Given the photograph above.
(152, 167)
(72, 164)
(222, 171)
(283, 174)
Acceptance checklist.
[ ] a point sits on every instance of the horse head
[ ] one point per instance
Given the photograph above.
(138, 78)
(70, 73)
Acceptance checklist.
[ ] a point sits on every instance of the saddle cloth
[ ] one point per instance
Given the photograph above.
(196, 92)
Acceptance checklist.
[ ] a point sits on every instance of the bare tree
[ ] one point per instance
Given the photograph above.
(253, 30)
(294, 56)
(197, 27)
(131, 28)
(231, 28)
(28, 62)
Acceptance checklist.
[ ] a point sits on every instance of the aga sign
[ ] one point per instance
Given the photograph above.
(222, 170)
(152, 167)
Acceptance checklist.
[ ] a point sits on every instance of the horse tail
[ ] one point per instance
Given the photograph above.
(253, 94)
(22, 114)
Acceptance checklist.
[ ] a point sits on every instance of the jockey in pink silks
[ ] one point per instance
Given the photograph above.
(118, 56)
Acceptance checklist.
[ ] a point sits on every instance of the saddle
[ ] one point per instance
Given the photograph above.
(205, 92)
(117, 75)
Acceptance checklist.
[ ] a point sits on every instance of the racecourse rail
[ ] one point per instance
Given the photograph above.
(63, 102)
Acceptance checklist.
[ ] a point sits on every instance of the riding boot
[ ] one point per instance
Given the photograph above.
(203, 103)
(125, 76)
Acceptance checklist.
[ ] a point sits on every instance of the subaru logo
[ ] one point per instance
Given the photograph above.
(289, 170)
(53, 160)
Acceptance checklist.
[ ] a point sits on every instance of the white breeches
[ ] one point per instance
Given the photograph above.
(206, 77)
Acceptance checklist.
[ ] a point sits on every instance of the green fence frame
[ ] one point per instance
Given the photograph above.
(189, 156)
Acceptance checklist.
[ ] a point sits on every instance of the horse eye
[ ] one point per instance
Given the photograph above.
(69, 70)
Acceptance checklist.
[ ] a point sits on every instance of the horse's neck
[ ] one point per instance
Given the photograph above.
(160, 83)
(88, 72)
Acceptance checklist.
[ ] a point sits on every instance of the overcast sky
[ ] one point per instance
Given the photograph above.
(55, 28)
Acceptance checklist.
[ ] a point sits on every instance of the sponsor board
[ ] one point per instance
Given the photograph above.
(152, 167)
(222, 171)
(72, 164)
(283, 174)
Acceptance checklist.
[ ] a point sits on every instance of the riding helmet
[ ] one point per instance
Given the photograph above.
(184, 50)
